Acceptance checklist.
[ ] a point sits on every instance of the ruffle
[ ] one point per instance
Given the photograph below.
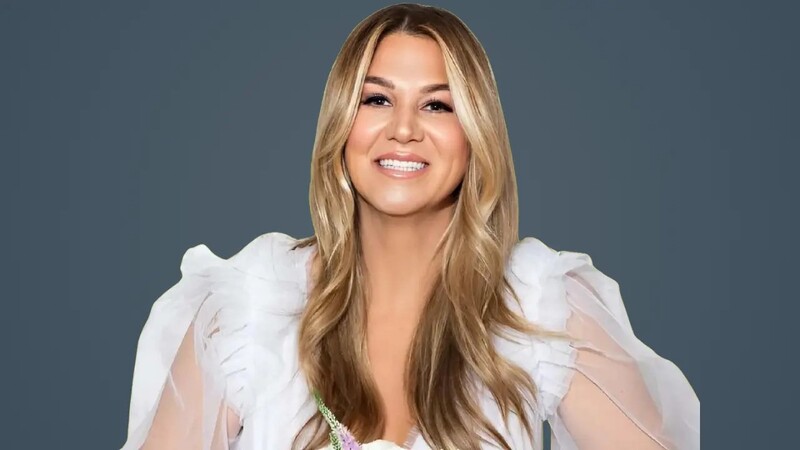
(244, 310)
(537, 274)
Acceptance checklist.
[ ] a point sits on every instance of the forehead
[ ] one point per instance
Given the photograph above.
(409, 60)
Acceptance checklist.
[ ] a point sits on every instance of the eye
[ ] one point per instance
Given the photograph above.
(443, 107)
(374, 98)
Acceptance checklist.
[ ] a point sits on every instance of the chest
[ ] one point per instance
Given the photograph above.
(388, 342)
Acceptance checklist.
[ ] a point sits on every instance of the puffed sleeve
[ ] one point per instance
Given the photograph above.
(189, 386)
(603, 388)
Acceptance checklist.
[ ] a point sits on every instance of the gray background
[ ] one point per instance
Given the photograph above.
(657, 138)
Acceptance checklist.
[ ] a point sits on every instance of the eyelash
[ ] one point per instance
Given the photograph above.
(434, 100)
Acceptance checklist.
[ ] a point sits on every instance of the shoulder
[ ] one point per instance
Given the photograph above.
(552, 285)
(537, 273)
(269, 255)
(552, 277)
(244, 310)
(532, 260)
(265, 271)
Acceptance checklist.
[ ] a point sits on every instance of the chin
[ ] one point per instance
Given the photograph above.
(395, 207)
(396, 210)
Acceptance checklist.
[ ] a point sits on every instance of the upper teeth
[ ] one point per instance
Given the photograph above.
(401, 165)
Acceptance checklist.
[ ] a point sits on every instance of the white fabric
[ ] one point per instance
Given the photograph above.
(375, 445)
(607, 390)
(237, 367)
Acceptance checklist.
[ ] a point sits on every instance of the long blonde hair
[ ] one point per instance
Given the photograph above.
(452, 352)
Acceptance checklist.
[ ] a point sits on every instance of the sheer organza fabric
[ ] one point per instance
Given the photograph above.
(216, 365)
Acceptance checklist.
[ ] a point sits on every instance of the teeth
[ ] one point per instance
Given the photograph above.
(408, 166)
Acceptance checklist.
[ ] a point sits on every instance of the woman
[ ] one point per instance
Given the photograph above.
(413, 315)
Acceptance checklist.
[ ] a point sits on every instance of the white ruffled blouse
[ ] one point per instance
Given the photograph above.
(240, 319)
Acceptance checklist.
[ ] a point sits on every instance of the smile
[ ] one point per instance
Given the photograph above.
(401, 169)
(408, 166)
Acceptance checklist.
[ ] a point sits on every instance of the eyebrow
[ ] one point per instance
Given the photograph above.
(380, 81)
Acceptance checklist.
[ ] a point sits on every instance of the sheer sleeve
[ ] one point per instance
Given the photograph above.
(189, 387)
(602, 388)
(620, 394)
(191, 412)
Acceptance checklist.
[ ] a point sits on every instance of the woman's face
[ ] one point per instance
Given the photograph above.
(406, 152)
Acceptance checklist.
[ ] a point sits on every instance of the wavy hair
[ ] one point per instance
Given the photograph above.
(451, 354)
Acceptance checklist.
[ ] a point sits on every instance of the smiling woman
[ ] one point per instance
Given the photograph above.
(406, 129)
(414, 315)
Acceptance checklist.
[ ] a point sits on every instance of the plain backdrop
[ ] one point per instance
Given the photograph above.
(658, 137)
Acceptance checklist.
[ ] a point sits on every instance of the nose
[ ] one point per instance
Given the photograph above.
(404, 125)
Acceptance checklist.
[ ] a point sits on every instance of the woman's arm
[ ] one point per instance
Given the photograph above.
(621, 394)
(179, 421)
(608, 405)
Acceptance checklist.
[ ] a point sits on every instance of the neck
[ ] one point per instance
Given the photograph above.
(399, 255)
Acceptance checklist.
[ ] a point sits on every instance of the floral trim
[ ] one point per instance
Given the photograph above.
(340, 436)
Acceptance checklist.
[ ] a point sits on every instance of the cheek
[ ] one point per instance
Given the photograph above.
(462, 153)
(357, 144)
(455, 149)
(366, 129)
(359, 140)
(358, 147)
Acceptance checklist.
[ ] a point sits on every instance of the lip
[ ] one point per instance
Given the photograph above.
(402, 156)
